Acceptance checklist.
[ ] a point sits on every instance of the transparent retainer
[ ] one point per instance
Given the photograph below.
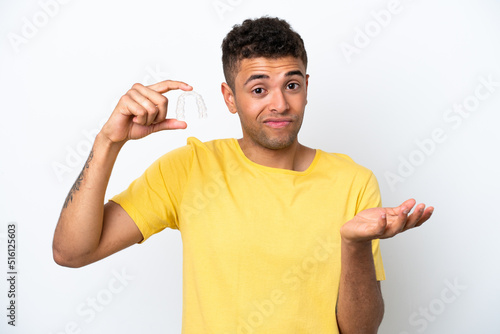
(180, 112)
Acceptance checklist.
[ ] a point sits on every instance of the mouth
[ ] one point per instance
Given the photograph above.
(277, 123)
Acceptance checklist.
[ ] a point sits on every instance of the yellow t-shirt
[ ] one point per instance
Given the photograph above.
(261, 245)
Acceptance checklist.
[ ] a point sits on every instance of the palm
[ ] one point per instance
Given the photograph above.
(382, 223)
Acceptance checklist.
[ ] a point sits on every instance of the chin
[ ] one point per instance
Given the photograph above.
(277, 143)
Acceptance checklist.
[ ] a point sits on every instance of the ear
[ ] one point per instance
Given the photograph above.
(228, 95)
(307, 85)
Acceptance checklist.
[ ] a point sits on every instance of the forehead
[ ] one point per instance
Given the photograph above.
(269, 66)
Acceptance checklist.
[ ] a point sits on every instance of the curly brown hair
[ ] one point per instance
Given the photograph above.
(263, 37)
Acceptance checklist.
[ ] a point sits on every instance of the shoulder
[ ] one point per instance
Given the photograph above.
(342, 169)
(345, 171)
(198, 152)
(194, 146)
(340, 161)
(212, 145)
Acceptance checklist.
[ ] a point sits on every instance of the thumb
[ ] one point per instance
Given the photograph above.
(379, 227)
(169, 124)
(405, 206)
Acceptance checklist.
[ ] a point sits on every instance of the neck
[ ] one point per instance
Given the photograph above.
(295, 157)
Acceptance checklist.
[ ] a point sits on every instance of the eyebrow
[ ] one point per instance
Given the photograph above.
(265, 76)
(296, 72)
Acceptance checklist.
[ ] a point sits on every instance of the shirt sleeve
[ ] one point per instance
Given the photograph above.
(370, 198)
(153, 199)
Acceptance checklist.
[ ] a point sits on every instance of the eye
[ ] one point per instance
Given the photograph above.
(258, 91)
(292, 86)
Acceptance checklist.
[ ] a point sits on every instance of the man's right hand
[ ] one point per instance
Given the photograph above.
(88, 230)
(142, 111)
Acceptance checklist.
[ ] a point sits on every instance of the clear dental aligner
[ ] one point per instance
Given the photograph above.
(202, 109)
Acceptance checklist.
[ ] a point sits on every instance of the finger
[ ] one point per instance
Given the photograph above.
(381, 226)
(397, 224)
(425, 216)
(168, 85)
(152, 101)
(415, 217)
(161, 113)
(151, 108)
(407, 205)
(129, 107)
(154, 94)
(169, 124)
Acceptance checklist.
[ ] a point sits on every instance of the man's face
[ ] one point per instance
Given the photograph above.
(269, 96)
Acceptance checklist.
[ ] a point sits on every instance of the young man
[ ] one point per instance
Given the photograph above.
(277, 237)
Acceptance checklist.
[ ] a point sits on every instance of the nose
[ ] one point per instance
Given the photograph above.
(278, 102)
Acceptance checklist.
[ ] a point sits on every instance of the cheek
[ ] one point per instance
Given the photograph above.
(299, 103)
(250, 109)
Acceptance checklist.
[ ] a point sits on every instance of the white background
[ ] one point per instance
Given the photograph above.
(63, 66)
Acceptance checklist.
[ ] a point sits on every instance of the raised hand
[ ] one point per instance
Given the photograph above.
(383, 223)
(142, 111)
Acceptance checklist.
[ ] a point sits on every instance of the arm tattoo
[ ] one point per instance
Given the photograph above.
(76, 185)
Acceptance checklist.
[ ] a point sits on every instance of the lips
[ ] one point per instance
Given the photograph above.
(277, 122)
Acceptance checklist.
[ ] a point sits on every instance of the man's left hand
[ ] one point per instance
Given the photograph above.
(383, 223)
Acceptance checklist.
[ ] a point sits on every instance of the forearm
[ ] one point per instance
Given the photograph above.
(360, 307)
(79, 228)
